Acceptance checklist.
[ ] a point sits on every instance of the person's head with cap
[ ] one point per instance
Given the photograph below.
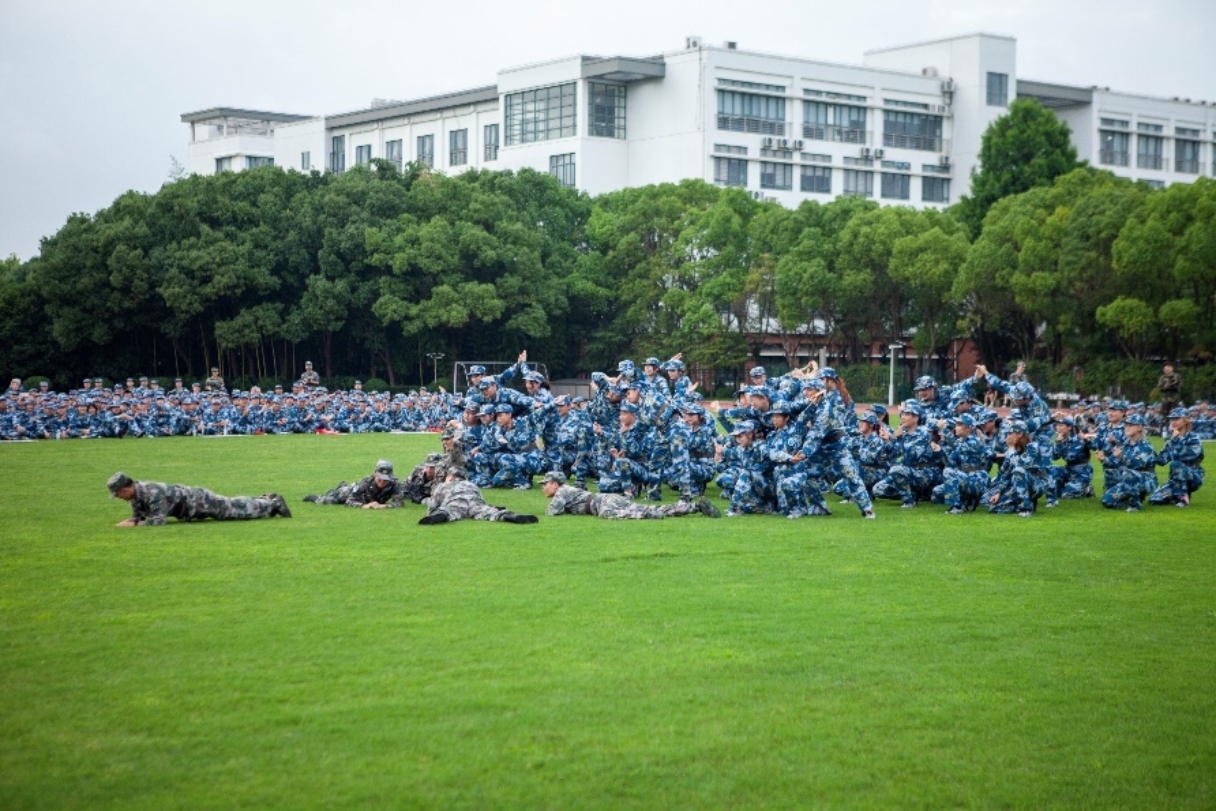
(1065, 425)
(757, 375)
(1133, 426)
(488, 385)
(651, 365)
(552, 480)
(692, 412)
(925, 388)
(673, 368)
(385, 467)
(1017, 435)
(1180, 421)
(964, 424)
(1022, 392)
(760, 398)
(869, 422)
(121, 486)
(911, 414)
(629, 414)
(504, 413)
(780, 414)
(744, 432)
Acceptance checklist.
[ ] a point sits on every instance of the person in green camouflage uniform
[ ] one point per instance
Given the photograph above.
(1170, 387)
(456, 498)
(153, 503)
(570, 500)
(379, 491)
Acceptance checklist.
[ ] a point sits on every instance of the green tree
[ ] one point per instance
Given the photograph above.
(1025, 148)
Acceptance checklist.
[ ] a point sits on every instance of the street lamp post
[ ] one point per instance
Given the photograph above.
(435, 358)
(891, 385)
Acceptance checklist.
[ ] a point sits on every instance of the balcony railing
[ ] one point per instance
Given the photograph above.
(927, 143)
(459, 157)
(1108, 158)
(491, 152)
(843, 135)
(762, 126)
(1150, 162)
(1188, 166)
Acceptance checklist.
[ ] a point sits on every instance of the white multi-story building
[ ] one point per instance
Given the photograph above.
(904, 127)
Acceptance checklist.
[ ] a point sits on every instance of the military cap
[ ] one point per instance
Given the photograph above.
(1134, 419)
(142, 378)
(504, 408)
(828, 373)
(652, 361)
(471, 406)
(760, 391)
(781, 408)
(814, 383)
(307, 364)
(476, 370)
(1066, 420)
(625, 366)
(447, 433)
(880, 409)
(745, 427)
(486, 408)
(358, 382)
(757, 371)
(924, 382)
(1022, 391)
(1117, 405)
(534, 377)
(914, 409)
(1017, 427)
(626, 385)
(872, 418)
(384, 466)
(486, 382)
(433, 459)
(97, 380)
(965, 419)
(118, 481)
(554, 476)
(630, 407)
(673, 365)
(693, 407)
(1178, 414)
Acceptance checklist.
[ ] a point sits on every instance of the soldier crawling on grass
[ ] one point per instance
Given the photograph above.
(379, 491)
(153, 503)
(571, 500)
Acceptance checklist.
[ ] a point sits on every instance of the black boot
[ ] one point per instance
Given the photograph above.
(435, 518)
(513, 518)
(311, 498)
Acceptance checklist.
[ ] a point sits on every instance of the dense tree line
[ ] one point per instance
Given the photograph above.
(368, 271)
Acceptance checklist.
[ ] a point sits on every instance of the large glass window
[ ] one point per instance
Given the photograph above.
(541, 115)
(606, 110)
(363, 154)
(858, 183)
(1114, 148)
(426, 150)
(998, 89)
(730, 171)
(1186, 157)
(912, 130)
(749, 112)
(833, 122)
(256, 161)
(935, 189)
(896, 187)
(393, 152)
(305, 161)
(223, 164)
(337, 153)
(817, 179)
(1150, 151)
(778, 176)
(490, 136)
(458, 147)
(562, 168)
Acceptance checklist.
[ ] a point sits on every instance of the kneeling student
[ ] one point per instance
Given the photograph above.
(566, 499)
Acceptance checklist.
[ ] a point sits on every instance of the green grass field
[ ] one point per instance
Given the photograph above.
(350, 658)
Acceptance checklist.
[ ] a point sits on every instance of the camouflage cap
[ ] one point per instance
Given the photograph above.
(757, 371)
(118, 481)
(924, 382)
(652, 361)
(1017, 427)
(745, 427)
(1134, 419)
(554, 476)
(1022, 391)
(871, 417)
(476, 369)
(1178, 414)
(433, 459)
(384, 466)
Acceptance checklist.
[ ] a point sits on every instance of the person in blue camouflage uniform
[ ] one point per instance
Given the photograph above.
(826, 445)
(381, 490)
(630, 449)
(1074, 478)
(1106, 439)
(153, 503)
(753, 490)
(652, 377)
(872, 450)
(1135, 462)
(1183, 453)
(965, 475)
(788, 466)
(917, 467)
(1028, 406)
(702, 447)
(567, 500)
(1022, 478)
(515, 457)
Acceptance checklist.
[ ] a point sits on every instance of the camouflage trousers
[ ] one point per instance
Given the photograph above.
(466, 502)
(870, 476)
(338, 495)
(619, 507)
(799, 491)
(752, 493)
(727, 480)
(841, 467)
(1183, 481)
(1017, 492)
(1072, 481)
(517, 468)
(202, 503)
(908, 484)
(959, 487)
(1130, 491)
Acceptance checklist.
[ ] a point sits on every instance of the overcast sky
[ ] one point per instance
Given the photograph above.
(91, 91)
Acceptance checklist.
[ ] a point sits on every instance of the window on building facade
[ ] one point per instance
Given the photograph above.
(490, 136)
(363, 155)
(817, 179)
(458, 147)
(730, 149)
(1114, 148)
(223, 164)
(858, 183)
(730, 171)
(562, 168)
(896, 187)
(749, 112)
(305, 161)
(776, 176)
(426, 150)
(998, 89)
(393, 153)
(541, 115)
(1150, 151)
(257, 161)
(606, 110)
(912, 130)
(1186, 157)
(337, 153)
(1114, 124)
(834, 122)
(935, 189)
(1154, 184)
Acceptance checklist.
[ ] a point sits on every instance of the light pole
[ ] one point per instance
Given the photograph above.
(435, 358)
(891, 385)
